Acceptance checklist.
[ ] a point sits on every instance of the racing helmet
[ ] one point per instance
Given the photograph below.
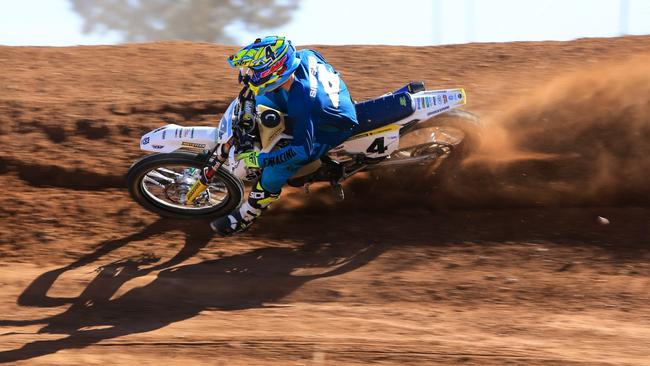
(266, 63)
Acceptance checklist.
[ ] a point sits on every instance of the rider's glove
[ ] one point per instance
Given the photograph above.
(250, 158)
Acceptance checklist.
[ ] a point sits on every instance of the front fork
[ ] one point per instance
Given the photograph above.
(218, 156)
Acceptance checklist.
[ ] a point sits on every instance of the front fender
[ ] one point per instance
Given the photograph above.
(173, 137)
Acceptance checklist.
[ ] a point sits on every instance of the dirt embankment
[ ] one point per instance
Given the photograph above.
(500, 261)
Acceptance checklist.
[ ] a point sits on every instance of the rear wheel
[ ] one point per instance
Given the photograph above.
(159, 182)
(429, 154)
(455, 133)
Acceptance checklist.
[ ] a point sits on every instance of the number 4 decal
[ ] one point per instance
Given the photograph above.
(377, 146)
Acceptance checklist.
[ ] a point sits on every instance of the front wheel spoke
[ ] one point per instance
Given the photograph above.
(148, 179)
(219, 188)
(156, 175)
(169, 172)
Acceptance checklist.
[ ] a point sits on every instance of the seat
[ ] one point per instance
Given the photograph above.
(382, 111)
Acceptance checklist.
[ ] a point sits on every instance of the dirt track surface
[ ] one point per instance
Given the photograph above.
(502, 262)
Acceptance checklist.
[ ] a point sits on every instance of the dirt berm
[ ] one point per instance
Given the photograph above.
(502, 261)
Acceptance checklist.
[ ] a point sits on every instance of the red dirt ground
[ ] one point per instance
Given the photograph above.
(500, 262)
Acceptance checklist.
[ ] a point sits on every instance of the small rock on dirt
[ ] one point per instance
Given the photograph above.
(602, 220)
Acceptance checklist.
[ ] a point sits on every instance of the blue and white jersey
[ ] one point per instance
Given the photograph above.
(319, 108)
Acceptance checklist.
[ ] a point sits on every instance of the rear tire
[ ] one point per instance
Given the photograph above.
(465, 121)
(420, 185)
(146, 164)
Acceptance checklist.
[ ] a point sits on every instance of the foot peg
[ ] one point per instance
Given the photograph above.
(339, 193)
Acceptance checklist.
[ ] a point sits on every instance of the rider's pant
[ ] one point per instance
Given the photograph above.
(274, 177)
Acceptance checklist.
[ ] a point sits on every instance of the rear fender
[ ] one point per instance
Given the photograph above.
(430, 103)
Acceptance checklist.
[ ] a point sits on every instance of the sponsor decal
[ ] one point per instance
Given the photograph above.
(157, 146)
(194, 191)
(433, 100)
(145, 141)
(287, 155)
(439, 99)
(273, 68)
(256, 195)
(192, 145)
(402, 101)
(460, 96)
(452, 97)
(438, 110)
(444, 97)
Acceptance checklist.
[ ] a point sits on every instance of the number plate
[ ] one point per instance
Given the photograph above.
(374, 144)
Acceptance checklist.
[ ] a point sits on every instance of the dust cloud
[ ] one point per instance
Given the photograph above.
(583, 139)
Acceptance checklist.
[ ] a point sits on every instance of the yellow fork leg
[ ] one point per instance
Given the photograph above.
(195, 191)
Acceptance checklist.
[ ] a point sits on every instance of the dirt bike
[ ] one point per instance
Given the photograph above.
(411, 126)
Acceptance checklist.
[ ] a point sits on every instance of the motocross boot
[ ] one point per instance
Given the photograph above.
(242, 218)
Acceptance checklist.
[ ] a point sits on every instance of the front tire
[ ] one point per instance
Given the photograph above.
(157, 197)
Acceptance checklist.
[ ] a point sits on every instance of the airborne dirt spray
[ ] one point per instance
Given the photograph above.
(582, 139)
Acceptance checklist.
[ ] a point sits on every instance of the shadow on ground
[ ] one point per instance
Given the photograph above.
(334, 244)
(242, 281)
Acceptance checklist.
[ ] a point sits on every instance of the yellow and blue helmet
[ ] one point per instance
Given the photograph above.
(266, 63)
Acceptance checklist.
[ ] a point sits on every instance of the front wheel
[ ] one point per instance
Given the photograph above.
(159, 182)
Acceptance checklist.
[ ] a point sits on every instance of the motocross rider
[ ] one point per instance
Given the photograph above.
(310, 91)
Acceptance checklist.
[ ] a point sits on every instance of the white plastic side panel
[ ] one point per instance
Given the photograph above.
(174, 137)
(373, 144)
